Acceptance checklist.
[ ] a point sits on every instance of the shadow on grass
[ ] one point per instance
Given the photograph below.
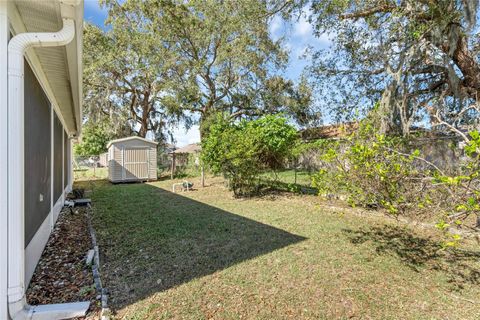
(152, 239)
(461, 266)
(269, 186)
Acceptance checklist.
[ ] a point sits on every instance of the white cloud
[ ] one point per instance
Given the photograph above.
(288, 46)
(302, 52)
(303, 28)
(324, 40)
(303, 33)
(184, 137)
(275, 26)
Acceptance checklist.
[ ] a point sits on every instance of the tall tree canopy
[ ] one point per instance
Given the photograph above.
(418, 58)
(163, 59)
(126, 79)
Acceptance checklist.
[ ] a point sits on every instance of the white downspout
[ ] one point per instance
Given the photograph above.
(18, 308)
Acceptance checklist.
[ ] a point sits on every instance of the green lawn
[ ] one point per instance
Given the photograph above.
(288, 176)
(204, 255)
(90, 173)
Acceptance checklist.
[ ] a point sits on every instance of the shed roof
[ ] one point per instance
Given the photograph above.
(189, 148)
(131, 138)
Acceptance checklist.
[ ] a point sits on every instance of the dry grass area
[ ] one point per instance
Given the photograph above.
(205, 255)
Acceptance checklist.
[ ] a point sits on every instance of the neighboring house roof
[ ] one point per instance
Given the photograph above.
(169, 146)
(59, 69)
(131, 138)
(189, 148)
(340, 130)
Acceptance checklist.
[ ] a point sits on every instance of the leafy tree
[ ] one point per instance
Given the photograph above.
(463, 189)
(242, 150)
(125, 79)
(95, 137)
(217, 55)
(420, 59)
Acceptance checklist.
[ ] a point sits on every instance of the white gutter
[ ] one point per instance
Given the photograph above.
(17, 306)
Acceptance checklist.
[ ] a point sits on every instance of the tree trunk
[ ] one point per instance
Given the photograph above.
(172, 174)
(386, 109)
(295, 169)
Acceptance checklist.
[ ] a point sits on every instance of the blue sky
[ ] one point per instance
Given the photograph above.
(298, 38)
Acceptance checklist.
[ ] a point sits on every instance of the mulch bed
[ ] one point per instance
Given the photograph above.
(62, 274)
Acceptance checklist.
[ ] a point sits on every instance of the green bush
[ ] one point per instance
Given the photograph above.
(95, 137)
(241, 151)
(463, 191)
(368, 169)
(377, 171)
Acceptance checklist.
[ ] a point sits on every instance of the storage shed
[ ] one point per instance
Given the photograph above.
(132, 159)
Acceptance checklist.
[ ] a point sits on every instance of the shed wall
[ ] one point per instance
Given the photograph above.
(135, 152)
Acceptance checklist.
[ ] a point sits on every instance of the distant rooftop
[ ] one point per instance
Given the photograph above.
(189, 148)
(343, 130)
(340, 130)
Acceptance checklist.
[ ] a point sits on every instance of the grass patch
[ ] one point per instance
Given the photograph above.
(205, 255)
(304, 178)
(90, 174)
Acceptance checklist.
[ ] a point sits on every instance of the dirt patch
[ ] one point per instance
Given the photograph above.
(62, 274)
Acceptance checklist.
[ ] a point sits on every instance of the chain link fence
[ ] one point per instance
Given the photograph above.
(90, 167)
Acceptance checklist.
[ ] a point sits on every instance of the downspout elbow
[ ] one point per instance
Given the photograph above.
(23, 41)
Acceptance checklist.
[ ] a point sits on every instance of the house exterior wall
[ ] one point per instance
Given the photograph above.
(45, 169)
(66, 159)
(30, 175)
(37, 155)
(138, 157)
(57, 158)
(4, 34)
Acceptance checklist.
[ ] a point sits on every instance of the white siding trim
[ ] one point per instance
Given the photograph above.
(63, 161)
(123, 163)
(52, 153)
(148, 162)
(69, 166)
(34, 249)
(4, 32)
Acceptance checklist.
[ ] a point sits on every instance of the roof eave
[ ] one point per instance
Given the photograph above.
(74, 10)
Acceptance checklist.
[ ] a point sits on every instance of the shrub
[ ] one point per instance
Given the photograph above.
(378, 171)
(463, 191)
(242, 150)
(368, 170)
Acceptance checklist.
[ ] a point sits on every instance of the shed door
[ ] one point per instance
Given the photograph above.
(135, 163)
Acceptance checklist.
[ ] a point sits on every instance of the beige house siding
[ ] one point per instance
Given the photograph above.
(132, 160)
